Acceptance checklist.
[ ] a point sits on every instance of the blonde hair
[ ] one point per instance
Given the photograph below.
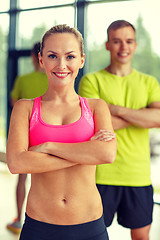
(63, 28)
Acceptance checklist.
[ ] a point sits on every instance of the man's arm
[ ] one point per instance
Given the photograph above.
(119, 123)
(145, 117)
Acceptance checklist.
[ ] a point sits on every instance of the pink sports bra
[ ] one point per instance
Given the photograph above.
(79, 131)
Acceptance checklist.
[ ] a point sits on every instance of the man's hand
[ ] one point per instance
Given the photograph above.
(115, 110)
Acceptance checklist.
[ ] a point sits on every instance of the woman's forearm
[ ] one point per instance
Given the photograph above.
(35, 162)
(90, 152)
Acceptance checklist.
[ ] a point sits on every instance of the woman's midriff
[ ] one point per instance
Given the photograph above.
(65, 197)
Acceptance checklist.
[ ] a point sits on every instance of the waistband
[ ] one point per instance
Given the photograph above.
(79, 231)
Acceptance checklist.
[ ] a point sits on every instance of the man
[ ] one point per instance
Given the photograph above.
(134, 102)
(27, 86)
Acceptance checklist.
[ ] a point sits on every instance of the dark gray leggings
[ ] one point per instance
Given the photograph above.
(36, 230)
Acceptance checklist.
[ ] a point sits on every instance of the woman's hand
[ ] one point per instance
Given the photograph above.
(104, 135)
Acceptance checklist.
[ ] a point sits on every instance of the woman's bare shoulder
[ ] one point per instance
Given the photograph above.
(23, 105)
(96, 103)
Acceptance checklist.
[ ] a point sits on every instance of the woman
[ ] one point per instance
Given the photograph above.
(60, 138)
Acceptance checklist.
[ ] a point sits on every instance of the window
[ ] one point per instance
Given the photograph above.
(4, 6)
(41, 21)
(41, 3)
(25, 65)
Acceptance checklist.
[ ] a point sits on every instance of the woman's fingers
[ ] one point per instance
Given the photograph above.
(104, 135)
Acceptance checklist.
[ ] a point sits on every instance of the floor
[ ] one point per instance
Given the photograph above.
(8, 211)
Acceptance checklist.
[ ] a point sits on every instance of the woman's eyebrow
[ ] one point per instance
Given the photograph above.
(51, 51)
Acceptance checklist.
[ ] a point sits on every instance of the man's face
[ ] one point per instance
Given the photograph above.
(122, 45)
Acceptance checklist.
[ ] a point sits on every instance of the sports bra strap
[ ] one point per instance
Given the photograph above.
(85, 106)
(36, 110)
(86, 111)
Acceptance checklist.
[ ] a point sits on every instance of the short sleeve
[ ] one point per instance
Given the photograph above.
(88, 87)
(154, 91)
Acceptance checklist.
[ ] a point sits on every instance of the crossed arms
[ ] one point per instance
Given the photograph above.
(56, 156)
(123, 117)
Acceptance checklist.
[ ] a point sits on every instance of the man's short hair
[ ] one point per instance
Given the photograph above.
(119, 24)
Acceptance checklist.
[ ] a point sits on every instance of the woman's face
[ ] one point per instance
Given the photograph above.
(61, 58)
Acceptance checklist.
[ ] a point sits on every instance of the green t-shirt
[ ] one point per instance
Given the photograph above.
(137, 90)
(29, 86)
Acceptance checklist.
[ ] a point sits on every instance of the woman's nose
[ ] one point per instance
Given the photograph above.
(61, 63)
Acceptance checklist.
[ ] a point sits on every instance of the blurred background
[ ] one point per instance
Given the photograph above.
(22, 23)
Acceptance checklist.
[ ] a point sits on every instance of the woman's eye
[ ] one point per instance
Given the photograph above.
(52, 56)
(71, 57)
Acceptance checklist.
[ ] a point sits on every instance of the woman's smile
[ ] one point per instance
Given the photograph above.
(61, 74)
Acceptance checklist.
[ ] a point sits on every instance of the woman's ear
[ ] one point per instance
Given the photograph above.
(40, 60)
(82, 61)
